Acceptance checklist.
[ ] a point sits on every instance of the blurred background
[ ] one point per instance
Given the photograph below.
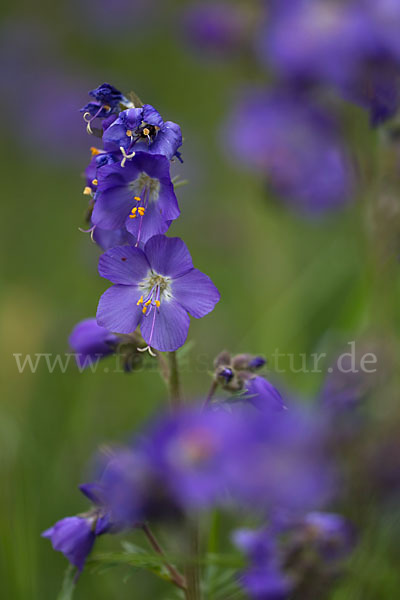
(297, 275)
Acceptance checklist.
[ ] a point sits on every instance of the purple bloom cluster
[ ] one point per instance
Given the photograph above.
(350, 45)
(198, 459)
(132, 204)
(281, 557)
(294, 144)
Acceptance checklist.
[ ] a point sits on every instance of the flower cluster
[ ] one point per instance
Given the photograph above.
(197, 459)
(312, 55)
(251, 450)
(296, 556)
(132, 205)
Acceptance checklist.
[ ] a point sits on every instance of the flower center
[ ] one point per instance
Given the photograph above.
(155, 288)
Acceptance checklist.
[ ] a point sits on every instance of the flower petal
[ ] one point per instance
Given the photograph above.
(152, 223)
(196, 293)
(171, 325)
(112, 206)
(168, 256)
(124, 264)
(118, 310)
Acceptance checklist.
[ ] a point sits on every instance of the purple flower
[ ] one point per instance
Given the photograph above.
(294, 144)
(139, 196)
(236, 374)
(218, 27)
(260, 392)
(264, 579)
(278, 459)
(331, 534)
(156, 287)
(107, 100)
(74, 537)
(188, 453)
(142, 129)
(352, 45)
(92, 342)
(314, 40)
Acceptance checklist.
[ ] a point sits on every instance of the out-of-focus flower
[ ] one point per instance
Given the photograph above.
(217, 28)
(196, 459)
(237, 374)
(156, 287)
(351, 45)
(292, 143)
(279, 459)
(330, 534)
(314, 40)
(303, 553)
(139, 196)
(264, 578)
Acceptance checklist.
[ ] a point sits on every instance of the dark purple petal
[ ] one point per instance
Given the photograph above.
(118, 310)
(171, 326)
(152, 116)
(168, 256)
(196, 293)
(166, 142)
(126, 265)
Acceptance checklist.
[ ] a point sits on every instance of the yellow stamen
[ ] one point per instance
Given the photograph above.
(146, 131)
(129, 132)
(144, 310)
(137, 198)
(106, 106)
(94, 151)
(141, 210)
(147, 303)
(133, 216)
(87, 191)
(158, 303)
(139, 301)
(95, 182)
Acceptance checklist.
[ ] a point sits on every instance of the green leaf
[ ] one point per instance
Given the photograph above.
(68, 585)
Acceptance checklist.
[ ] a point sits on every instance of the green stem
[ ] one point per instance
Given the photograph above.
(192, 569)
(176, 577)
(174, 386)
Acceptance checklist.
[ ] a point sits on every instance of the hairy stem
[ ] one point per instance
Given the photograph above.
(176, 577)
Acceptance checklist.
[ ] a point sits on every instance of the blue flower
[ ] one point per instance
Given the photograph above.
(107, 101)
(139, 196)
(74, 537)
(292, 143)
(142, 129)
(155, 287)
(91, 342)
(264, 578)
